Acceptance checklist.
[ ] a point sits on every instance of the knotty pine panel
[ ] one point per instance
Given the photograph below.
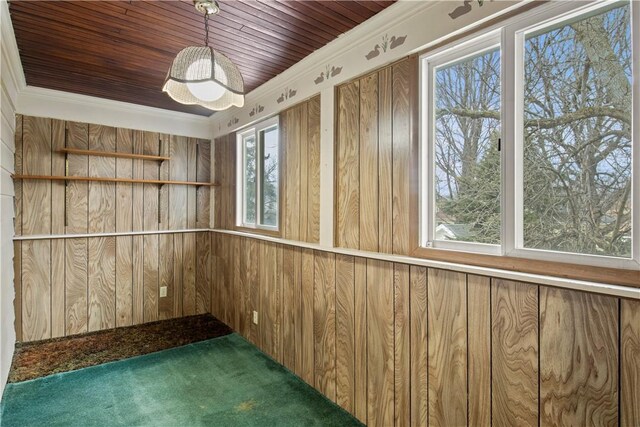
(374, 146)
(97, 277)
(401, 344)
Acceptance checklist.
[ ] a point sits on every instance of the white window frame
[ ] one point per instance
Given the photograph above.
(255, 131)
(513, 32)
(457, 52)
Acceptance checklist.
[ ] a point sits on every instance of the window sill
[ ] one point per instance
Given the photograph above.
(262, 231)
(626, 277)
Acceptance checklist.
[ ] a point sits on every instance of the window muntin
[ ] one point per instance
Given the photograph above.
(577, 142)
(258, 176)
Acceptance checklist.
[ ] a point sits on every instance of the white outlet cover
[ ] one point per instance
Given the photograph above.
(255, 317)
(163, 291)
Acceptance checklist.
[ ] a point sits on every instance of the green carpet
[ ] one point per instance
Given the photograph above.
(223, 382)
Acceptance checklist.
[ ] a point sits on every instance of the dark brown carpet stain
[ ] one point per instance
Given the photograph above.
(38, 359)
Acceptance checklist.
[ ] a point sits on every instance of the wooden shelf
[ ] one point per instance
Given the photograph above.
(102, 179)
(112, 154)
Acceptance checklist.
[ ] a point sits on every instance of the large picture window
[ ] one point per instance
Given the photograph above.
(258, 175)
(529, 146)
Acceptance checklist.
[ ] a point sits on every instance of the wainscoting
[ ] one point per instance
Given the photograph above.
(398, 344)
(73, 272)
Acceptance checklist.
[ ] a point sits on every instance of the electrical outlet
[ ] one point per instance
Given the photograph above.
(163, 291)
(255, 317)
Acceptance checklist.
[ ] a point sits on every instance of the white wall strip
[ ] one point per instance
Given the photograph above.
(559, 282)
(88, 235)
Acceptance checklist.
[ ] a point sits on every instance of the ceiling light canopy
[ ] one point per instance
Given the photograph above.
(203, 76)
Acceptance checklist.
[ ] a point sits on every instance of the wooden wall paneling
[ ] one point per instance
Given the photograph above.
(252, 259)
(102, 195)
(222, 270)
(17, 184)
(77, 191)
(124, 190)
(17, 283)
(402, 345)
(164, 149)
(347, 184)
(124, 223)
(151, 170)
(137, 194)
(380, 336)
(307, 339)
(124, 281)
(402, 140)
(447, 329)
(102, 283)
(167, 277)
(203, 272)
(514, 350)
(629, 362)
(385, 161)
(297, 309)
(292, 173)
(345, 332)
(58, 198)
(203, 174)
(324, 323)
(178, 262)
(578, 358)
(188, 274)
(191, 176)
(150, 277)
(271, 299)
(419, 348)
(360, 338)
(76, 285)
(243, 300)
(289, 307)
(36, 160)
(36, 289)
(313, 171)
(178, 171)
(237, 282)
(303, 170)
(77, 250)
(479, 349)
(369, 163)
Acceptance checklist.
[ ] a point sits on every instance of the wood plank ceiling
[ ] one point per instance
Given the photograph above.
(121, 50)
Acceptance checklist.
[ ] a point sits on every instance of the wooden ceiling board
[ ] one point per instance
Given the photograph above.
(122, 50)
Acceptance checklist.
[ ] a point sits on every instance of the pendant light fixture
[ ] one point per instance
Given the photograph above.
(203, 76)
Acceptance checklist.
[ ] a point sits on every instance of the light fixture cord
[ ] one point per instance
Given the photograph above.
(206, 29)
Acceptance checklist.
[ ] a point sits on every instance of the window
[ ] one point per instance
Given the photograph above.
(258, 176)
(532, 153)
(464, 176)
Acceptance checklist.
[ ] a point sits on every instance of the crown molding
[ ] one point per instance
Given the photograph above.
(55, 104)
(424, 23)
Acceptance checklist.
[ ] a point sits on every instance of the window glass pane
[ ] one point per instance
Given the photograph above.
(249, 180)
(467, 160)
(577, 135)
(269, 202)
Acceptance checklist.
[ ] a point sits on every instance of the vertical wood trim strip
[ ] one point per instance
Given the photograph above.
(630, 362)
(368, 157)
(479, 324)
(402, 345)
(514, 347)
(419, 354)
(324, 313)
(345, 332)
